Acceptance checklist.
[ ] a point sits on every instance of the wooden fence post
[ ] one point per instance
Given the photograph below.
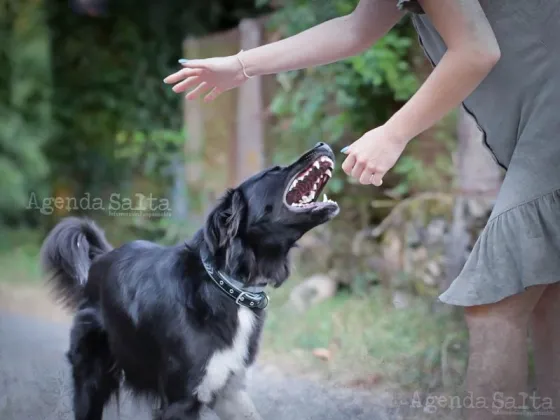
(194, 140)
(250, 110)
(210, 144)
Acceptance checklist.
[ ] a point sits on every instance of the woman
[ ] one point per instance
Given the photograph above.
(496, 58)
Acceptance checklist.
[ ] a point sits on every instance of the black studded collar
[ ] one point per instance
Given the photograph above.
(234, 289)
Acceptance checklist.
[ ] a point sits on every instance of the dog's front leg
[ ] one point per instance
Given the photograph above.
(236, 405)
(234, 402)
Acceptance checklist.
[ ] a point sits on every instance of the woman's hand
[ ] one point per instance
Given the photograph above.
(216, 75)
(373, 155)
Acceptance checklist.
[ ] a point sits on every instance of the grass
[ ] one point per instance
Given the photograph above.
(18, 257)
(368, 342)
(363, 341)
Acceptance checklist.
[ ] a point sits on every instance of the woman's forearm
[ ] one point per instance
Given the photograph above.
(325, 43)
(456, 76)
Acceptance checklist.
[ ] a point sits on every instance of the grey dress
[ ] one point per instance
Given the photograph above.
(517, 108)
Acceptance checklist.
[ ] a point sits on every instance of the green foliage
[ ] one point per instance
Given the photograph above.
(25, 85)
(346, 97)
(108, 75)
(154, 151)
(73, 84)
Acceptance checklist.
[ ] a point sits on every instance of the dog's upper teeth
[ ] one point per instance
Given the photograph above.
(316, 164)
(328, 172)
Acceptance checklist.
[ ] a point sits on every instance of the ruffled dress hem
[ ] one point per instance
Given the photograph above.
(518, 248)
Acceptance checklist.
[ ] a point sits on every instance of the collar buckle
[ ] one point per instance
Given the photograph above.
(241, 297)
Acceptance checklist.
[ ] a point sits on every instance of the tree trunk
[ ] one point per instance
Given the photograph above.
(478, 180)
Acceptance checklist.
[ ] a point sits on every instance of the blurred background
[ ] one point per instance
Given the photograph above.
(87, 127)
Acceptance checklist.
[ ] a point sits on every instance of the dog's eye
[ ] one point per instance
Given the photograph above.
(268, 208)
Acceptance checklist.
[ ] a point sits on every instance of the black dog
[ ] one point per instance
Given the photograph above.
(182, 324)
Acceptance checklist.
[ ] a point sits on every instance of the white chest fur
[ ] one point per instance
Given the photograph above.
(230, 360)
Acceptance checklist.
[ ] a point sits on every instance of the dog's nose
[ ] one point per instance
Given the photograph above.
(320, 144)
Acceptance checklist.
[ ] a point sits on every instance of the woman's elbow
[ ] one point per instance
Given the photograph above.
(484, 57)
(492, 55)
(489, 53)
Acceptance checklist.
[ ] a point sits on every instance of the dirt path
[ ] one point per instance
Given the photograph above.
(33, 300)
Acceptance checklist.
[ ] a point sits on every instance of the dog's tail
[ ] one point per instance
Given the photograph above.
(67, 254)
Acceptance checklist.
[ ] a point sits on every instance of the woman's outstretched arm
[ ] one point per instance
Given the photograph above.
(325, 43)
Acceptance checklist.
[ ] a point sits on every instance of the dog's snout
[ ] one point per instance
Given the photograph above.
(324, 146)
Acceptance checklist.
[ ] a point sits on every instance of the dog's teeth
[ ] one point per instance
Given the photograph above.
(316, 164)
(307, 198)
(328, 172)
(325, 198)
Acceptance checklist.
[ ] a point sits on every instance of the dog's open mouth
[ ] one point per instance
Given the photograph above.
(306, 187)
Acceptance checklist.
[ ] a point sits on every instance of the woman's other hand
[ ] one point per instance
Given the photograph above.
(214, 75)
(370, 157)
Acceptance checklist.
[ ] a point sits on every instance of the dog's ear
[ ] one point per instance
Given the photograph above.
(225, 220)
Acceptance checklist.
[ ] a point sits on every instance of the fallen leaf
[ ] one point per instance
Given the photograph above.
(323, 354)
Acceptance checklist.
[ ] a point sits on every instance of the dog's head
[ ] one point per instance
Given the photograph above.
(253, 228)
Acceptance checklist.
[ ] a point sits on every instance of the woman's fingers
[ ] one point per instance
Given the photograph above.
(186, 84)
(357, 169)
(195, 64)
(197, 91)
(377, 179)
(363, 173)
(348, 164)
(214, 93)
(182, 74)
(365, 177)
